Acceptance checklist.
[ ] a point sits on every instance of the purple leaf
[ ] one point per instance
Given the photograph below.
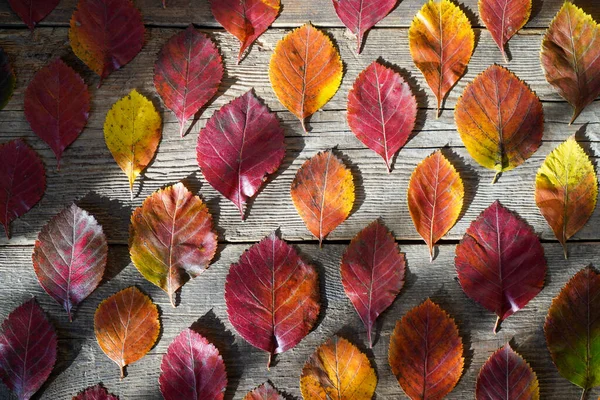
(96, 392)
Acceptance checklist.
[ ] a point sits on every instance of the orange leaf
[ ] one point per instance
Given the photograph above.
(323, 193)
(504, 18)
(571, 57)
(338, 371)
(426, 353)
(126, 326)
(435, 198)
(441, 42)
(500, 120)
(305, 71)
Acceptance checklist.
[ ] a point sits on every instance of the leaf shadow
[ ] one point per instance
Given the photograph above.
(359, 189)
(536, 7)
(321, 274)
(469, 176)
(111, 214)
(212, 328)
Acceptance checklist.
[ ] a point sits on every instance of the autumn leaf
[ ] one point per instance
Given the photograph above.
(132, 130)
(323, 193)
(566, 190)
(266, 391)
(7, 79)
(441, 42)
(245, 19)
(503, 18)
(22, 181)
(57, 106)
(435, 198)
(500, 262)
(126, 326)
(187, 73)
(69, 257)
(572, 330)
(305, 71)
(372, 272)
(426, 352)
(240, 145)
(500, 120)
(27, 349)
(381, 110)
(506, 375)
(338, 370)
(361, 15)
(192, 368)
(171, 238)
(96, 392)
(272, 296)
(571, 57)
(32, 11)
(106, 34)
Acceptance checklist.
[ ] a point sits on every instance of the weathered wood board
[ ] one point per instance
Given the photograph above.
(90, 177)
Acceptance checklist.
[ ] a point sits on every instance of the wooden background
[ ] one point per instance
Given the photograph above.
(90, 177)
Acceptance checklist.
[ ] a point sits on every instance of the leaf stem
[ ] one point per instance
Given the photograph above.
(495, 179)
(122, 367)
(497, 324)
(584, 394)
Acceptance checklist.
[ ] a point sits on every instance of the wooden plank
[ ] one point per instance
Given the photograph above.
(319, 12)
(81, 362)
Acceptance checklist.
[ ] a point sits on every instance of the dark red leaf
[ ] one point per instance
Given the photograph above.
(22, 181)
(27, 349)
(69, 257)
(106, 34)
(372, 272)
(241, 144)
(192, 369)
(266, 391)
(57, 105)
(381, 110)
(507, 376)
(500, 262)
(187, 73)
(96, 392)
(361, 15)
(7, 79)
(32, 11)
(272, 296)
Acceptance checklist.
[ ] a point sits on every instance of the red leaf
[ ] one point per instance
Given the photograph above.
(57, 105)
(506, 375)
(192, 368)
(272, 296)
(500, 262)
(96, 392)
(245, 19)
(22, 181)
(504, 18)
(106, 34)
(187, 73)
(372, 272)
(266, 391)
(382, 110)
(27, 349)
(32, 11)
(241, 144)
(69, 257)
(361, 15)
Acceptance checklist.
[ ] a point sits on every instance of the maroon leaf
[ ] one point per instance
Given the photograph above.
(192, 368)
(32, 11)
(266, 391)
(372, 272)
(96, 392)
(69, 257)
(361, 15)
(27, 349)
(106, 34)
(272, 296)
(506, 375)
(241, 144)
(500, 262)
(57, 105)
(382, 110)
(187, 73)
(22, 181)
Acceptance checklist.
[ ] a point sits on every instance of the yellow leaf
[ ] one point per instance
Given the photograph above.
(132, 130)
(566, 190)
(338, 371)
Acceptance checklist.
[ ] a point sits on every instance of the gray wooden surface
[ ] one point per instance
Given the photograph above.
(90, 177)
